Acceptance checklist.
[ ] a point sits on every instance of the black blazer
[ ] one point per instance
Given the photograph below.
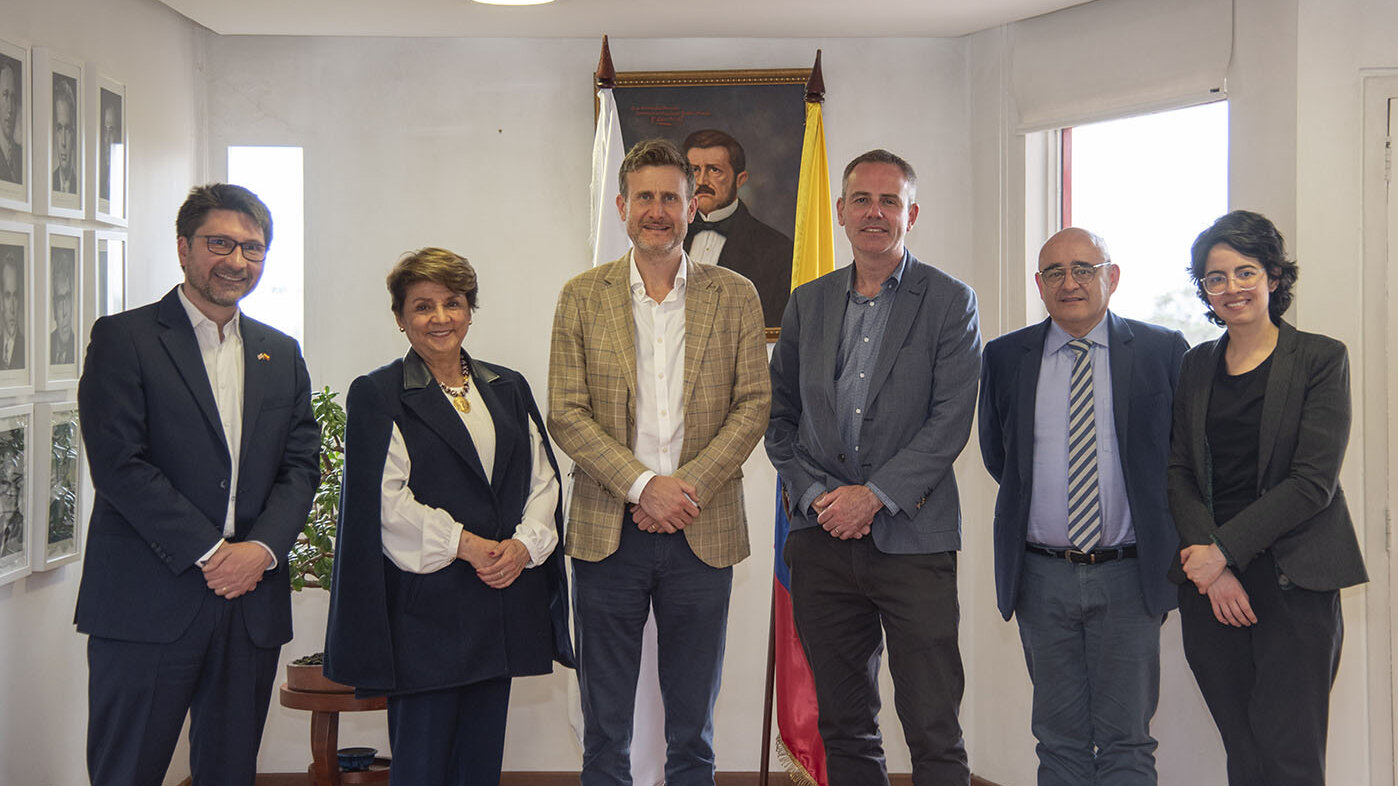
(1300, 514)
(1145, 361)
(160, 467)
(391, 631)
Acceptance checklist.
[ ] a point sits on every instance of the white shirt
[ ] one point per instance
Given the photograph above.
(223, 362)
(706, 246)
(422, 539)
(659, 376)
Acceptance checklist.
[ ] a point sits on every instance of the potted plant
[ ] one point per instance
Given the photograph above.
(312, 557)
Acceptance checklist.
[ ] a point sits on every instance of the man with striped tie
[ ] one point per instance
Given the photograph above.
(1075, 427)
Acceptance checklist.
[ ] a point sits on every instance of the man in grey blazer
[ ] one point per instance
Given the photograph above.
(873, 389)
(1075, 427)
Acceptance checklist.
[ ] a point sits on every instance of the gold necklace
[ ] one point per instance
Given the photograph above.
(458, 395)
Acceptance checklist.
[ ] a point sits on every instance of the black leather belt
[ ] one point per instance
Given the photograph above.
(1084, 557)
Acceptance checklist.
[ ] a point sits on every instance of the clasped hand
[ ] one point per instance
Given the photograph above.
(847, 512)
(235, 568)
(1207, 567)
(667, 505)
(497, 562)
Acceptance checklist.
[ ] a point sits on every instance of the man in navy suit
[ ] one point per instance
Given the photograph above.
(204, 456)
(873, 390)
(1075, 427)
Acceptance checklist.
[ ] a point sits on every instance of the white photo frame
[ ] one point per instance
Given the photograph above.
(17, 253)
(109, 157)
(16, 471)
(57, 334)
(58, 127)
(104, 280)
(57, 488)
(16, 100)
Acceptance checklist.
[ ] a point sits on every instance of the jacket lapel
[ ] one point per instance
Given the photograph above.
(700, 307)
(620, 324)
(831, 312)
(1121, 350)
(493, 389)
(257, 369)
(1274, 401)
(1031, 361)
(178, 339)
(907, 302)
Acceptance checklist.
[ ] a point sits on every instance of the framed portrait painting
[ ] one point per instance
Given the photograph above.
(15, 101)
(57, 489)
(110, 150)
(16, 432)
(742, 133)
(58, 343)
(60, 123)
(16, 304)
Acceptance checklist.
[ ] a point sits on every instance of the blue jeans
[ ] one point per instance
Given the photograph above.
(1093, 653)
(612, 599)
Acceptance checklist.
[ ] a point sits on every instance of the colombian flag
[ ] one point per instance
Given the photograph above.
(798, 740)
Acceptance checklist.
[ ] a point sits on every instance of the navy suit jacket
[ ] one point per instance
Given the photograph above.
(917, 417)
(161, 468)
(1145, 361)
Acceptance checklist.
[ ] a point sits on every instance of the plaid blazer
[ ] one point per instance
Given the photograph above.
(592, 404)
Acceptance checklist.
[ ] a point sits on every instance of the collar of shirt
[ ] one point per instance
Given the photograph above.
(894, 279)
(201, 322)
(638, 286)
(722, 213)
(1058, 338)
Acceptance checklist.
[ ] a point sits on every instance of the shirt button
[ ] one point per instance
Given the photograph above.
(859, 411)
(861, 375)
(866, 339)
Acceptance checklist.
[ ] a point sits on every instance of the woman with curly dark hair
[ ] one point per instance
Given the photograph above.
(1262, 417)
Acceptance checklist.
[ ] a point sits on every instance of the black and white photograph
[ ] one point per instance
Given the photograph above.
(14, 126)
(61, 300)
(15, 549)
(16, 264)
(62, 132)
(62, 537)
(111, 151)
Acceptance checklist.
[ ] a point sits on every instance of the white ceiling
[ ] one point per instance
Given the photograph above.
(617, 18)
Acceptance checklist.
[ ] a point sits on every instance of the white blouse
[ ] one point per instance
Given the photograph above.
(422, 539)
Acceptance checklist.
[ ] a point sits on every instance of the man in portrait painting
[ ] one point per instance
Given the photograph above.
(65, 135)
(111, 137)
(62, 343)
(11, 307)
(725, 233)
(11, 100)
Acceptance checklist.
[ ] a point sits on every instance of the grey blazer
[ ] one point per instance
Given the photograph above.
(1300, 514)
(917, 417)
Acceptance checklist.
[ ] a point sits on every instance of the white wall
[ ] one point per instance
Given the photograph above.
(483, 146)
(43, 670)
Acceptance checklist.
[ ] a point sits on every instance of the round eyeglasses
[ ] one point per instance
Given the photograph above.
(222, 245)
(1082, 274)
(1246, 278)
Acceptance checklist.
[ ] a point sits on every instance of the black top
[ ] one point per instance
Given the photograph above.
(1234, 418)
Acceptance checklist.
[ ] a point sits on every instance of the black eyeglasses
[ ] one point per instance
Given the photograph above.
(222, 245)
(1055, 276)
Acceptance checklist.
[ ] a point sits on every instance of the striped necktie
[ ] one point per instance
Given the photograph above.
(1084, 500)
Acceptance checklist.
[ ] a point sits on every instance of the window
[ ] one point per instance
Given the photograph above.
(275, 175)
(1149, 185)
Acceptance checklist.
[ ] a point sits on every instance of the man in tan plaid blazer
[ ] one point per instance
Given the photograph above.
(658, 390)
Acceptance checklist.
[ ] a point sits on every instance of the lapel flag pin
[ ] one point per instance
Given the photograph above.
(263, 356)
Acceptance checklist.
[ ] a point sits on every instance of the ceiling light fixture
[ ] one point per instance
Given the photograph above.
(513, 2)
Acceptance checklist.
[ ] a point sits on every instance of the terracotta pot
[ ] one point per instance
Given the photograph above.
(311, 679)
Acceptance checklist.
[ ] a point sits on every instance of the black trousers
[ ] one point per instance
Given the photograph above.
(139, 693)
(1268, 685)
(847, 596)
